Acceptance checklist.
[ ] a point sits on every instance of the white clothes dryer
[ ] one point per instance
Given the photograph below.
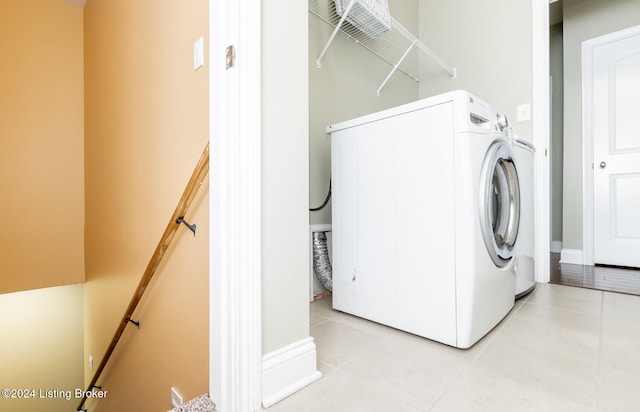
(525, 262)
(425, 218)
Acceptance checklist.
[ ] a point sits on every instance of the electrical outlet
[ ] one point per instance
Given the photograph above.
(176, 398)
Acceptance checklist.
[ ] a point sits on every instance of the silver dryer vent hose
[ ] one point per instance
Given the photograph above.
(321, 263)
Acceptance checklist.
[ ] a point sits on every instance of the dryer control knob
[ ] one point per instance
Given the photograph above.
(503, 122)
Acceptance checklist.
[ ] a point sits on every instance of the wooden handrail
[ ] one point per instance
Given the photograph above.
(190, 192)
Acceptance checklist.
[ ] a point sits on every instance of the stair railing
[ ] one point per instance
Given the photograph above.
(191, 190)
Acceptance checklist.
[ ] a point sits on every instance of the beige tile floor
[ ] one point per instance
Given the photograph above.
(559, 349)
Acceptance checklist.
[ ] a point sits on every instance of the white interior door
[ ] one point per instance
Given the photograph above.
(616, 150)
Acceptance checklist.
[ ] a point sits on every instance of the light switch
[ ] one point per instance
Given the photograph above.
(524, 112)
(198, 53)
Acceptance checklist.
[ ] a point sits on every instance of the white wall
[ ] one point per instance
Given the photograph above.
(285, 174)
(344, 88)
(583, 20)
(489, 43)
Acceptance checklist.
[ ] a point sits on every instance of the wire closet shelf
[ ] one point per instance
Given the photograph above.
(389, 40)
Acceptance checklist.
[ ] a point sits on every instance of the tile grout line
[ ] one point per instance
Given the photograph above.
(464, 371)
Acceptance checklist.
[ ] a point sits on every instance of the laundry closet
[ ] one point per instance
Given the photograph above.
(493, 60)
(347, 80)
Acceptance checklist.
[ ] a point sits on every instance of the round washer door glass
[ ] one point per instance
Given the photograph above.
(499, 203)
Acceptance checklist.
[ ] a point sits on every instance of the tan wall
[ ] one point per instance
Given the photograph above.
(41, 133)
(41, 348)
(146, 126)
(171, 347)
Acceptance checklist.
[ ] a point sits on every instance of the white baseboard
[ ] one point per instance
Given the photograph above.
(287, 370)
(556, 246)
(573, 256)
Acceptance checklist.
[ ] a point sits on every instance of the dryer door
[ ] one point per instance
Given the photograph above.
(500, 203)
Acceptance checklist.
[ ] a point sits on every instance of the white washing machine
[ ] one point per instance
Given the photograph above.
(525, 263)
(425, 218)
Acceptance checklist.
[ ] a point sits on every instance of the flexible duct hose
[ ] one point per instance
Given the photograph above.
(321, 263)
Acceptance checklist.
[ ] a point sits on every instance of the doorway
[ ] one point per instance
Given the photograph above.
(580, 21)
(611, 64)
(556, 109)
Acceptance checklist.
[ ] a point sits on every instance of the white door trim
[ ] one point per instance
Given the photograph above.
(541, 134)
(235, 340)
(588, 47)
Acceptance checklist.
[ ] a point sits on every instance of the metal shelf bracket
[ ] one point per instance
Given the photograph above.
(333, 34)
